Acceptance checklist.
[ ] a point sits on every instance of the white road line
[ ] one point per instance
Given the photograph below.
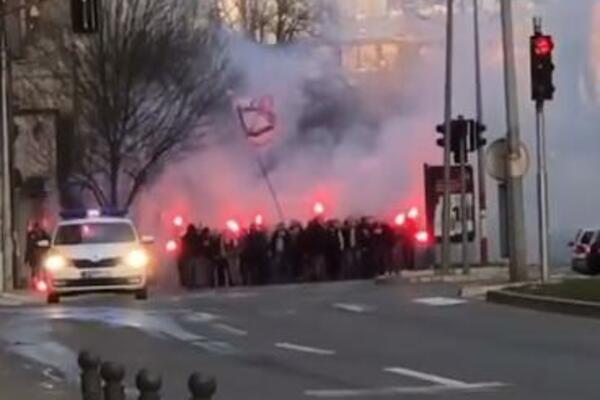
(355, 308)
(230, 329)
(396, 390)
(304, 349)
(200, 317)
(439, 301)
(440, 380)
(49, 373)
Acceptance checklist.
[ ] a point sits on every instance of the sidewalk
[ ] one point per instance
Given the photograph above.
(491, 274)
(21, 298)
(22, 380)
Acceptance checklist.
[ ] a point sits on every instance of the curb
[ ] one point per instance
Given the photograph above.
(543, 303)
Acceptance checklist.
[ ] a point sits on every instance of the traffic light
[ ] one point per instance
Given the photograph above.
(542, 67)
(85, 16)
(476, 138)
(459, 130)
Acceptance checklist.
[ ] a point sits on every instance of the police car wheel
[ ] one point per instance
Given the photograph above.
(141, 294)
(53, 298)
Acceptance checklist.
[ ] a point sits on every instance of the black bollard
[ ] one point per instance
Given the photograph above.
(148, 385)
(91, 382)
(201, 388)
(113, 375)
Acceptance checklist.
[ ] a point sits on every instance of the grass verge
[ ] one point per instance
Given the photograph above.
(573, 289)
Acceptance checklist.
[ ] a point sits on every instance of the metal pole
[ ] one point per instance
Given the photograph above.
(463, 203)
(542, 181)
(481, 181)
(516, 213)
(448, 133)
(7, 236)
(271, 188)
(542, 178)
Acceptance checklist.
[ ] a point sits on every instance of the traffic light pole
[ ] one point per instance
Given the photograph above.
(481, 181)
(448, 130)
(542, 178)
(517, 245)
(463, 203)
(542, 183)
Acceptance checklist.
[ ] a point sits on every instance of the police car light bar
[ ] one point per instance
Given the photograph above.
(92, 213)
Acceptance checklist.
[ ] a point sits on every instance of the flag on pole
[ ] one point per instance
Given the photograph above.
(257, 118)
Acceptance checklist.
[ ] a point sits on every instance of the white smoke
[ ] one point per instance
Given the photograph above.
(374, 166)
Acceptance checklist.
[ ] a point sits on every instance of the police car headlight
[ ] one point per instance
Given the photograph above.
(55, 262)
(137, 259)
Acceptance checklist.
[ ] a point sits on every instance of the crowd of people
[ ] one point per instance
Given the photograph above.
(317, 251)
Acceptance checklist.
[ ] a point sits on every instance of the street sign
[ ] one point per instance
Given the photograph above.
(434, 200)
(497, 158)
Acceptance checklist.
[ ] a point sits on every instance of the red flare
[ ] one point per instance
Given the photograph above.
(319, 209)
(178, 221)
(171, 246)
(400, 219)
(422, 237)
(413, 213)
(233, 226)
(41, 285)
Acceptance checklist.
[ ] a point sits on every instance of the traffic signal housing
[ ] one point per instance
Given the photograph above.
(542, 67)
(85, 16)
(459, 131)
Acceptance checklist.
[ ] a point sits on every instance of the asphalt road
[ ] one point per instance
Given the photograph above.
(338, 340)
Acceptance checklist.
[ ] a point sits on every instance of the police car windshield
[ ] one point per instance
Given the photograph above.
(94, 233)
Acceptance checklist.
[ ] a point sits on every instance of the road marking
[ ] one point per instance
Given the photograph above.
(304, 349)
(396, 390)
(49, 373)
(439, 301)
(230, 329)
(200, 317)
(47, 385)
(440, 380)
(217, 347)
(355, 308)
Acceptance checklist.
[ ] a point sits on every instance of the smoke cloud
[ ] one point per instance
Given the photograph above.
(359, 146)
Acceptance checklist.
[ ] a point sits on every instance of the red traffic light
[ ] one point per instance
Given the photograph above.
(543, 45)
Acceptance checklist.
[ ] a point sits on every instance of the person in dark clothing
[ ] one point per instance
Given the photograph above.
(351, 250)
(221, 274)
(383, 246)
(278, 249)
(334, 250)
(295, 251)
(33, 252)
(315, 237)
(187, 255)
(365, 242)
(408, 249)
(255, 256)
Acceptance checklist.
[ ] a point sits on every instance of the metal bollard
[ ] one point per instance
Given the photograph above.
(148, 385)
(201, 388)
(113, 375)
(91, 382)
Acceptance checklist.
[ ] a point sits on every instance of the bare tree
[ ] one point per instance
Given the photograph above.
(272, 21)
(146, 86)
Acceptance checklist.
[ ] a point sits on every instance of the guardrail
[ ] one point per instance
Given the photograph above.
(104, 381)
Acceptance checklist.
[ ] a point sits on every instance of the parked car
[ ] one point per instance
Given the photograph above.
(585, 254)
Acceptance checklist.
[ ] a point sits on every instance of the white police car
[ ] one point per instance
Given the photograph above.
(96, 253)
